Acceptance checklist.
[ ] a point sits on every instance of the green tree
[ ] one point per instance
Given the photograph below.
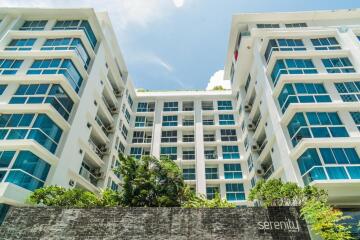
(216, 88)
(151, 182)
(202, 202)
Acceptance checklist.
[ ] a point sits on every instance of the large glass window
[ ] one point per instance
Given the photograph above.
(292, 66)
(211, 173)
(211, 191)
(44, 93)
(329, 43)
(232, 171)
(283, 45)
(146, 107)
(329, 164)
(226, 119)
(77, 25)
(224, 105)
(349, 91)
(235, 192)
(356, 117)
(168, 136)
(34, 25)
(189, 173)
(170, 121)
(2, 88)
(170, 106)
(9, 66)
(315, 125)
(136, 152)
(169, 152)
(228, 135)
(24, 44)
(338, 65)
(142, 121)
(230, 152)
(58, 66)
(302, 93)
(38, 127)
(68, 44)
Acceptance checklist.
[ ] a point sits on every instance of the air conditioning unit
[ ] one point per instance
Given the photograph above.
(117, 93)
(255, 147)
(259, 172)
(114, 109)
(103, 149)
(110, 128)
(100, 175)
(251, 126)
(248, 107)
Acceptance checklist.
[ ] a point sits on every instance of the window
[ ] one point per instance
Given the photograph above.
(130, 101)
(315, 125)
(276, 45)
(207, 105)
(188, 106)
(21, 44)
(77, 25)
(228, 135)
(188, 137)
(142, 121)
(232, 171)
(4, 208)
(169, 120)
(146, 107)
(68, 44)
(292, 66)
(250, 163)
(302, 93)
(168, 136)
(356, 117)
(338, 65)
(124, 131)
(170, 106)
(127, 116)
(37, 25)
(209, 137)
(211, 173)
(268, 25)
(58, 66)
(121, 148)
(211, 192)
(188, 121)
(5, 158)
(295, 25)
(349, 91)
(329, 43)
(329, 164)
(2, 88)
(42, 94)
(230, 152)
(29, 171)
(226, 119)
(9, 66)
(247, 84)
(224, 105)
(210, 154)
(189, 173)
(38, 127)
(169, 152)
(138, 137)
(136, 152)
(235, 192)
(188, 154)
(208, 120)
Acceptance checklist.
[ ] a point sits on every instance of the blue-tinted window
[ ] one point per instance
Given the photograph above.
(44, 93)
(315, 125)
(189, 173)
(302, 93)
(349, 91)
(77, 25)
(211, 192)
(5, 158)
(170, 121)
(230, 152)
(68, 44)
(356, 117)
(4, 208)
(136, 152)
(2, 88)
(338, 65)
(170, 106)
(232, 171)
(224, 105)
(170, 152)
(21, 44)
(58, 66)
(235, 192)
(211, 173)
(226, 119)
(34, 25)
(329, 43)
(292, 66)
(9, 66)
(283, 45)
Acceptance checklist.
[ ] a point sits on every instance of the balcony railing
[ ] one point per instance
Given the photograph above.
(268, 172)
(88, 176)
(188, 123)
(211, 156)
(188, 139)
(208, 122)
(188, 156)
(102, 125)
(95, 148)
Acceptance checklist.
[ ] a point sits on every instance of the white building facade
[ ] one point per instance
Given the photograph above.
(68, 107)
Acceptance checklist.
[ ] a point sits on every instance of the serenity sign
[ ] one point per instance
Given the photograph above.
(286, 225)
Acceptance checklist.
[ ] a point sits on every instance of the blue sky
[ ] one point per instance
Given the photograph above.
(178, 44)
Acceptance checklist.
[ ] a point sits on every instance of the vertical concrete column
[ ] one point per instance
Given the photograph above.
(155, 147)
(348, 41)
(199, 150)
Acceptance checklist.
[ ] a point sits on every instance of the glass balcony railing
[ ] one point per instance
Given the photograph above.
(88, 176)
(332, 172)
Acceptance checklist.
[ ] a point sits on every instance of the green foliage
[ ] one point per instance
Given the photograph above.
(216, 88)
(276, 193)
(325, 220)
(202, 202)
(150, 182)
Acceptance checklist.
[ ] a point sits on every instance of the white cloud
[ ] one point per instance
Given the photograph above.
(179, 3)
(154, 59)
(217, 79)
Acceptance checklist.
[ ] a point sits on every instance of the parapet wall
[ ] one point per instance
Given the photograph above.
(153, 223)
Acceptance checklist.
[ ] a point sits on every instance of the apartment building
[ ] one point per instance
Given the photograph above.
(68, 107)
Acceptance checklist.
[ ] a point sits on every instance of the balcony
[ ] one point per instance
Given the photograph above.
(188, 156)
(104, 128)
(100, 151)
(211, 155)
(268, 172)
(188, 122)
(188, 138)
(90, 177)
(208, 122)
(111, 108)
(209, 138)
(188, 106)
